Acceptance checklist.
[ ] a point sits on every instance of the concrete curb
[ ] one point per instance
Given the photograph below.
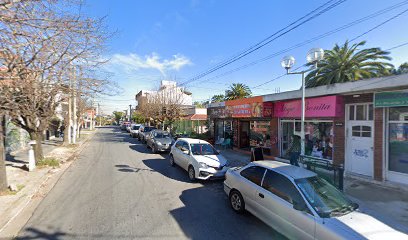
(24, 207)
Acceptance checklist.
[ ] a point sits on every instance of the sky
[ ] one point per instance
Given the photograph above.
(158, 40)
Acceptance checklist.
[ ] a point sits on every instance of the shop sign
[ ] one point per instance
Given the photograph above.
(249, 107)
(391, 99)
(267, 109)
(330, 106)
(218, 112)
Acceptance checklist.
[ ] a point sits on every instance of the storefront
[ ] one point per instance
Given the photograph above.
(220, 120)
(321, 114)
(395, 106)
(251, 123)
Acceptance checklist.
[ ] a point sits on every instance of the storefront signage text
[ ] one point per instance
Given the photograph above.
(330, 106)
(391, 99)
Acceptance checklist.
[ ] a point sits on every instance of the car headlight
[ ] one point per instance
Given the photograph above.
(159, 143)
(203, 165)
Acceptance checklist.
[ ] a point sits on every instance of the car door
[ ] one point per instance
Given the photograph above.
(250, 186)
(277, 207)
(177, 152)
(184, 157)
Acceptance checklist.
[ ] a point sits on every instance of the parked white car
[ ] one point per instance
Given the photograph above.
(299, 204)
(199, 158)
(134, 130)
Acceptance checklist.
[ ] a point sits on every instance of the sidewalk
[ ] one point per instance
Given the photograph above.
(15, 210)
(389, 204)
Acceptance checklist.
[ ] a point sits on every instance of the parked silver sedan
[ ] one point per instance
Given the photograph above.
(299, 204)
(159, 141)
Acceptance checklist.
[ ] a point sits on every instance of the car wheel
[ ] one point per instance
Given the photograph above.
(191, 173)
(237, 201)
(172, 161)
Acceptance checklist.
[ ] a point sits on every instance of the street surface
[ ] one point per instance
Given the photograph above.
(118, 189)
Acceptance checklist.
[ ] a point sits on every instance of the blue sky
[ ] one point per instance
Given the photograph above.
(166, 40)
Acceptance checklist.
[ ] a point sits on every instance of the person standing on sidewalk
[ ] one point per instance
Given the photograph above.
(294, 150)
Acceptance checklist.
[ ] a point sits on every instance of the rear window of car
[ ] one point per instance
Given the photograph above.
(148, 129)
(254, 174)
(136, 127)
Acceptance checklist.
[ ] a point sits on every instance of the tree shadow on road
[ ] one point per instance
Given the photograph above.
(34, 233)
(206, 212)
(127, 168)
(163, 167)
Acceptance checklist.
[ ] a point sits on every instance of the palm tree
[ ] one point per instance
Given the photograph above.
(348, 63)
(237, 91)
(218, 98)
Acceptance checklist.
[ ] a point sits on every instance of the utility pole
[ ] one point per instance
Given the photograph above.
(130, 112)
(3, 172)
(92, 113)
(99, 114)
(70, 113)
(74, 129)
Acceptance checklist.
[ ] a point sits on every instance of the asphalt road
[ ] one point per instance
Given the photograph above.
(118, 189)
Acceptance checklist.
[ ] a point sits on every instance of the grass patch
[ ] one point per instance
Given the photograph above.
(9, 192)
(48, 162)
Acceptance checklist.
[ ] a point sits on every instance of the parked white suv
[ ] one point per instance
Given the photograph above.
(199, 158)
(134, 130)
(299, 204)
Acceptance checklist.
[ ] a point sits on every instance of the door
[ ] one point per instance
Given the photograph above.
(360, 140)
(177, 152)
(279, 196)
(249, 188)
(184, 157)
(244, 135)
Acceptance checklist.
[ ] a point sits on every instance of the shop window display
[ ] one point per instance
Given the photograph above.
(398, 139)
(260, 134)
(319, 138)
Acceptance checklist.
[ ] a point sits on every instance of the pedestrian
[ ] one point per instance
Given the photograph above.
(62, 128)
(294, 150)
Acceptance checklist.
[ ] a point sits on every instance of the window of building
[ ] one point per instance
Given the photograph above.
(319, 138)
(361, 112)
(254, 174)
(398, 139)
(260, 134)
(361, 131)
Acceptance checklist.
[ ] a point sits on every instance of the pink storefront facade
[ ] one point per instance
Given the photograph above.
(324, 126)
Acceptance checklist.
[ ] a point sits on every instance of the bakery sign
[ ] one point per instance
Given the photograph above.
(249, 107)
(329, 106)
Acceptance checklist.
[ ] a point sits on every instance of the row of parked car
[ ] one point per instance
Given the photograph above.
(292, 200)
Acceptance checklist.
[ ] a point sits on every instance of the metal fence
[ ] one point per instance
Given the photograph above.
(325, 169)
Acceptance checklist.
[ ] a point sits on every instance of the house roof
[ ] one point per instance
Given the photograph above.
(196, 117)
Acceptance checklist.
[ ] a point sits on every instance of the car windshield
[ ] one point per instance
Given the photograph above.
(135, 127)
(148, 129)
(327, 200)
(203, 149)
(163, 135)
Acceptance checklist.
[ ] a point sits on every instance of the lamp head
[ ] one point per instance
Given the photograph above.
(314, 55)
(288, 62)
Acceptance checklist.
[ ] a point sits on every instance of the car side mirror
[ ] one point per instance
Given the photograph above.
(299, 206)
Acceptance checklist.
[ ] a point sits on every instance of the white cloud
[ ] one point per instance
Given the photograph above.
(134, 62)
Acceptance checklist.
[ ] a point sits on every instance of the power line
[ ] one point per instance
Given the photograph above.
(270, 39)
(398, 46)
(358, 21)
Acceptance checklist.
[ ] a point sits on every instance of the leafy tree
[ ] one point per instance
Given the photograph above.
(218, 98)
(137, 117)
(237, 91)
(201, 104)
(118, 116)
(403, 68)
(347, 63)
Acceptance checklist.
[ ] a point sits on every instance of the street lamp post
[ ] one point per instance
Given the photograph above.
(313, 56)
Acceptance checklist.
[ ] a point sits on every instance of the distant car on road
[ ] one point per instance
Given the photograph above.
(123, 125)
(134, 131)
(143, 131)
(299, 204)
(159, 141)
(198, 158)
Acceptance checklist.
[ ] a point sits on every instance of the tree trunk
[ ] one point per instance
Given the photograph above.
(3, 173)
(38, 151)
